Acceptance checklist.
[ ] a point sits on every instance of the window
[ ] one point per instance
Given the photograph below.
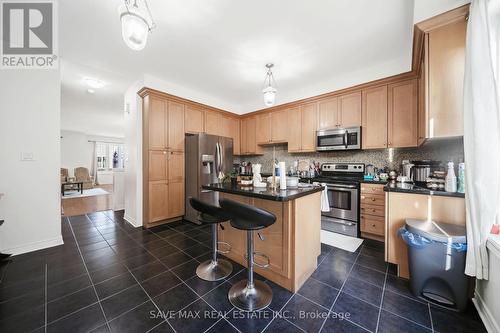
(109, 156)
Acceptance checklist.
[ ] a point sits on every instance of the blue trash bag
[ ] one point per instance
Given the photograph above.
(419, 242)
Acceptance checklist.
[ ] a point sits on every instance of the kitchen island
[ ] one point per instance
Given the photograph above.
(292, 243)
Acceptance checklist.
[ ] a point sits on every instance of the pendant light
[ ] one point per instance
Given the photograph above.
(137, 23)
(269, 91)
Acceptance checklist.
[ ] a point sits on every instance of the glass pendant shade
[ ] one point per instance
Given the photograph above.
(269, 96)
(135, 31)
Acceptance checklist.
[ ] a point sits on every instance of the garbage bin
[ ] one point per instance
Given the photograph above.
(436, 259)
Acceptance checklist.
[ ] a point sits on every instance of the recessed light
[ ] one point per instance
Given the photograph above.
(90, 91)
(94, 83)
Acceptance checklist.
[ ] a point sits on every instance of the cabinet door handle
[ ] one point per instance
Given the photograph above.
(164, 152)
(373, 199)
(373, 225)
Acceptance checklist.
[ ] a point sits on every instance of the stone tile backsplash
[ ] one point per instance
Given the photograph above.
(442, 150)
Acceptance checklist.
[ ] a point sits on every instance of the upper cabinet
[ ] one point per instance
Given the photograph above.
(350, 110)
(302, 124)
(340, 111)
(389, 114)
(443, 78)
(249, 136)
(231, 129)
(328, 113)
(194, 120)
(271, 127)
(175, 126)
(213, 123)
(166, 125)
(374, 128)
(402, 114)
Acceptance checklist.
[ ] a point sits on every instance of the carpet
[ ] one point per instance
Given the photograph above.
(343, 242)
(86, 193)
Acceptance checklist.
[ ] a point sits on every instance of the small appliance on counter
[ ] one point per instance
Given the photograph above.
(422, 170)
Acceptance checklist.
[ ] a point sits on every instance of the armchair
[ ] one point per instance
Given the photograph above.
(82, 175)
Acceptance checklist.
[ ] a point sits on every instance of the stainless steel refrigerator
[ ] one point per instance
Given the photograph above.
(208, 159)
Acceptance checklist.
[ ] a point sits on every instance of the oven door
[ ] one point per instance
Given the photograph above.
(343, 200)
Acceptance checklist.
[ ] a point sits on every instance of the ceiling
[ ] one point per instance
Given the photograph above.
(216, 51)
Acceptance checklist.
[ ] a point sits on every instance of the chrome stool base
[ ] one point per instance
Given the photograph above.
(254, 298)
(211, 270)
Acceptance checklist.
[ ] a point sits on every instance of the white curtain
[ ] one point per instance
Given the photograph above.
(481, 131)
(93, 170)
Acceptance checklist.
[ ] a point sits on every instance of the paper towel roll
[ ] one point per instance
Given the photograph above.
(282, 168)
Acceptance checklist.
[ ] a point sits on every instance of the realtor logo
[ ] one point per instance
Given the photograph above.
(28, 34)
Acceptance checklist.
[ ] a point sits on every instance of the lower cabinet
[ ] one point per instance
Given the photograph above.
(275, 238)
(166, 200)
(158, 200)
(372, 211)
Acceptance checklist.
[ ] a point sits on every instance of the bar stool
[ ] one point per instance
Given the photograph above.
(213, 269)
(249, 294)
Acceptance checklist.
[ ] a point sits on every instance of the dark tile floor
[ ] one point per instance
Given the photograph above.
(109, 276)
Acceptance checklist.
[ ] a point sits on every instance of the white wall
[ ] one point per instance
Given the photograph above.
(30, 123)
(425, 9)
(133, 154)
(76, 151)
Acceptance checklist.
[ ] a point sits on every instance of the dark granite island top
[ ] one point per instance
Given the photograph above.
(263, 193)
(415, 189)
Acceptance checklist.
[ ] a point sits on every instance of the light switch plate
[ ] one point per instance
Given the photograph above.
(27, 156)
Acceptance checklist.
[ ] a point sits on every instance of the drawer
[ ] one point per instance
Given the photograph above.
(371, 199)
(372, 225)
(367, 209)
(376, 189)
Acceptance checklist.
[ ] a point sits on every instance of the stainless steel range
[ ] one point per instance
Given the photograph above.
(342, 183)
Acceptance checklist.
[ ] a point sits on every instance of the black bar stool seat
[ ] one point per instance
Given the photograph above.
(249, 294)
(213, 269)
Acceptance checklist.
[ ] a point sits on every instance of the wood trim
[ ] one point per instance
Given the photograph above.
(145, 91)
(145, 159)
(444, 18)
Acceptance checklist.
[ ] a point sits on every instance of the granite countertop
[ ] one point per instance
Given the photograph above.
(415, 189)
(263, 193)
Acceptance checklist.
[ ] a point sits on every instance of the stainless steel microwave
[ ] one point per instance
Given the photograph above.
(339, 139)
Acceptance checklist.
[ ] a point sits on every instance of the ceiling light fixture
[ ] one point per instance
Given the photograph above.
(269, 91)
(137, 23)
(94, 83)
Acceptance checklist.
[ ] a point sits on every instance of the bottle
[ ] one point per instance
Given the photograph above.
(461, 177)
(450, 184)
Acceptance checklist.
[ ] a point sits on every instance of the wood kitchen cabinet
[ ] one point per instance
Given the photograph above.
(444, 63)
(349, 110)
(249, 136)
(302, 124)
(328, 113)
(374, 118)
(271, 127)
(175, 126)
(194, 120)
(163, 159)
(213, 123)
(372, 211)
(340, 111)
(402, 114)
(231, 129)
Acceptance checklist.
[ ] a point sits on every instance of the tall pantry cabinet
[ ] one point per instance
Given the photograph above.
(163, 158)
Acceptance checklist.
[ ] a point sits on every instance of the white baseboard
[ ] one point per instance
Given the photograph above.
(30, 247)
(488, 320)
(131, 220)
